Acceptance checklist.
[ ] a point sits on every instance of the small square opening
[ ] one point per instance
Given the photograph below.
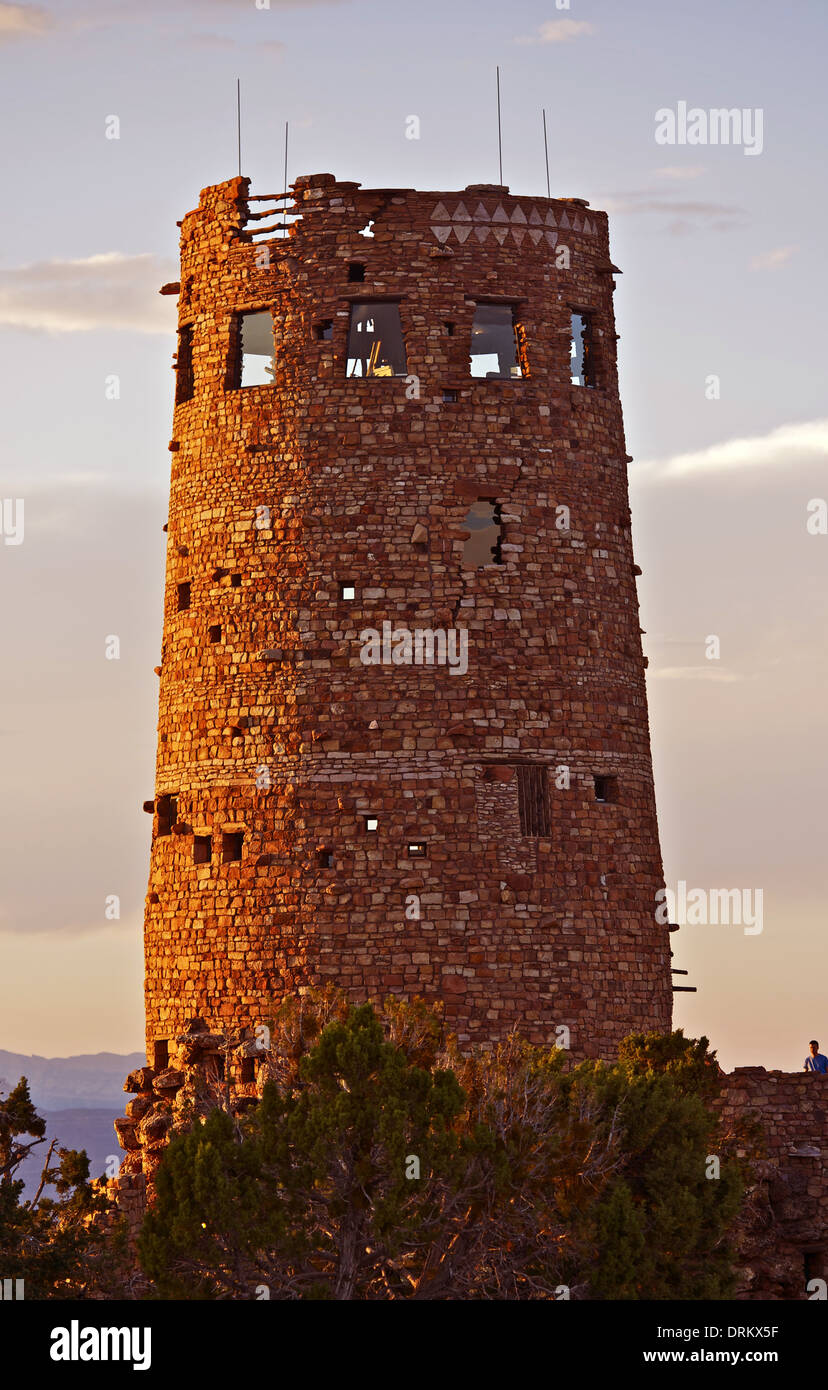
(356, 272)
(324, 858)
(606, 788)
(371, 824)
(416, 849)
(323, 332)
(449, 394)
(214, 632)
(202, 849)
(231, 846)
(347, 592)
(183, 596)
(235, 581)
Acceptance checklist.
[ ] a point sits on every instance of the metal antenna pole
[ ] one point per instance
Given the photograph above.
(284, 210)
(238, 118)
(546, 152)
(499, 138)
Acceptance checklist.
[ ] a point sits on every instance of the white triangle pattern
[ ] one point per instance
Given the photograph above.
(481, 215)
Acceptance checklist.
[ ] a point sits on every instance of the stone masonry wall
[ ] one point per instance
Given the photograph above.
(783, 1234)
(272, 729)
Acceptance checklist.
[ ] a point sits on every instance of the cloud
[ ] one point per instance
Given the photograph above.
(558, 31)
(645, 200)
(772, 260)
(697, 673)
(680, 171)
(779, 449)
(109, 290)
(21, 21)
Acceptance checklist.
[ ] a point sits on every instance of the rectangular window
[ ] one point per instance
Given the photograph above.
(214, 632)
(606, 788)
(231, 846)
(375, 341)
(324, 331)
(356, 272)
(347, 592)
(533, 803)
(167, 814)
(183, 596)
(416, 849)
(486, 533)
(371, 825)
(256, 349)
(581, 350)
(160, 1054)
(494, 348)
(202, 849)
(247, 1071)
(184, 365)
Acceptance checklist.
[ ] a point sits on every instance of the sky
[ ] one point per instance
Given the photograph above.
(720, 309)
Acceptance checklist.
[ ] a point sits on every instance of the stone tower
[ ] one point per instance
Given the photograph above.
(403, 739)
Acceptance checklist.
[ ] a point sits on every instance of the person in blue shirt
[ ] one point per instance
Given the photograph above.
(815, 1061)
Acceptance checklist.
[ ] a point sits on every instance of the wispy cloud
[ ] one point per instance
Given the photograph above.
(772, 260)
(696, 673)
(109, 290)
(680, 171)
(780, 449)
(22, 21)
(558, 31)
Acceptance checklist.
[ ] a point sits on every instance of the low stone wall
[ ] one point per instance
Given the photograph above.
(783, 1233)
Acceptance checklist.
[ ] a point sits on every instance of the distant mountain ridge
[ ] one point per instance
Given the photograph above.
(90, 1081)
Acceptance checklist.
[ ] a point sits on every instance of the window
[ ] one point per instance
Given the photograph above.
(160, 1054)
(533, 804)
(324, 858)
(494, 349)
(448, 329)
(247, 1071)
(324, 331)
(256, 349)
(375, 341)
(183, 596)
(231, 846)
(214, 632)
(356, 272)
(371, 824)
(184, 365)
(167, 814)
(235, 581)
(347, 592)
(449, 395)
(483, 545)
(606, 788)
(202, 849)
(416, 849)
(581, 350)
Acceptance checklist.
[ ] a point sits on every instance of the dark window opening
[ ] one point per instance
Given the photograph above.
(347, 592)
(183, 596)
(235, 581)
(231, 846)
(533, 803)
(324, 331)
(256, 349)
(184, 365)
(494, 348)
(449, 394)
(219, 1061)
(247, 1071)
(375, 341)
(356, 272)
(324, 858)
(448, 329)
(416, 849)
(167, 814)
(582, 350)
(214, 632)
(606, 788)
(371, 824)
(814, 1261)
(160, 1054)
(202, 849)
(483, 545)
